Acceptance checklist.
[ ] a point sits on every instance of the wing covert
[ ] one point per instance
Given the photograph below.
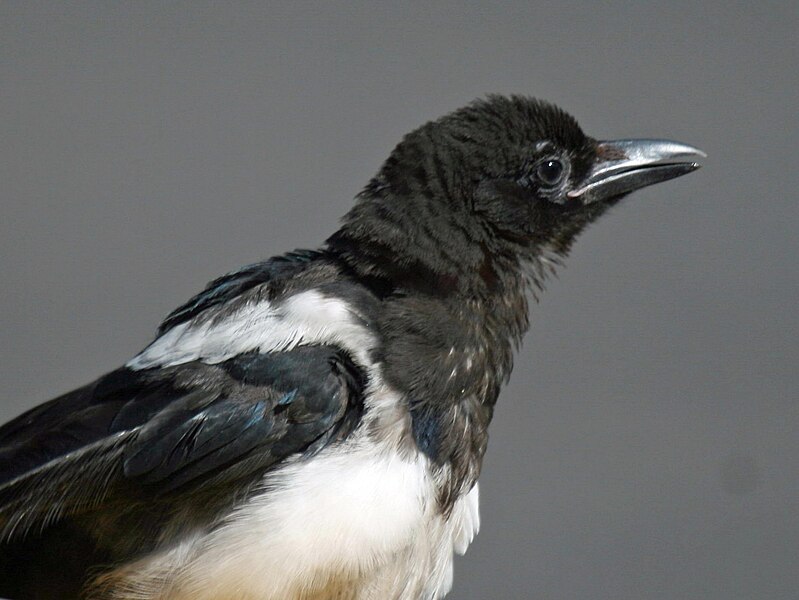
(151, 433)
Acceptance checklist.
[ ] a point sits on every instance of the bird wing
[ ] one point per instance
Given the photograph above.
(134, 435)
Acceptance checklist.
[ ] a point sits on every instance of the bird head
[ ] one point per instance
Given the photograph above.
(469, 197)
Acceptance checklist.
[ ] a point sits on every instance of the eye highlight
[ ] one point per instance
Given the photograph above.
(550, 172)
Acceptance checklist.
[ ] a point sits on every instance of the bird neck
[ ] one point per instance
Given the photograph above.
(413, 245)
(454, 310)
(432, 258)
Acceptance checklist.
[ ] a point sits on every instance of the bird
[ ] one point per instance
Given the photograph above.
(313, 426)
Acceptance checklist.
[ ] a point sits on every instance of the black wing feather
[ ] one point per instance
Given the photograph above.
(156, 432)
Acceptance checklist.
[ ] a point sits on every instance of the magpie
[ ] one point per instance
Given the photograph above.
(313, 426)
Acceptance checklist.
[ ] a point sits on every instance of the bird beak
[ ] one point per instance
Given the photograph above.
(626, 165)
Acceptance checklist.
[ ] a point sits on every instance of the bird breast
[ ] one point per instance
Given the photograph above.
(359, 519)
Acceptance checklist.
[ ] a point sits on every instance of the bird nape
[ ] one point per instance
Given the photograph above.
(313, 426)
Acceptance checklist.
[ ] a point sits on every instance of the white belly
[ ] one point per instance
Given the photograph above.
(357, 519)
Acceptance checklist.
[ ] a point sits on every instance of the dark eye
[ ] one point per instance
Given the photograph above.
(550, 171)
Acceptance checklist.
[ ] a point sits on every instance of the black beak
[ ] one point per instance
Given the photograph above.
(626, 165)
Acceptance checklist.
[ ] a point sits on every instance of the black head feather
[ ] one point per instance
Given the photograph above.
(466, 200)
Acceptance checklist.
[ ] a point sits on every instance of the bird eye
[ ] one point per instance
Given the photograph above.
(550, 171)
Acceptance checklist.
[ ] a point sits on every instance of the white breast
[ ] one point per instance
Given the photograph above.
(364, 519)
(336, 516)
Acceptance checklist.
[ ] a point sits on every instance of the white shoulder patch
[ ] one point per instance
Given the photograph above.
(305, 318)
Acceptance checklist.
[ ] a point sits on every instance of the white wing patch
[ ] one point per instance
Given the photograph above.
(305, 318)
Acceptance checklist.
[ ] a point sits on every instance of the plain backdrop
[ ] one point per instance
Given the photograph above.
(648, 445)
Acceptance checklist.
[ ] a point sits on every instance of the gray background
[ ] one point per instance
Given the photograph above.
(647, 446)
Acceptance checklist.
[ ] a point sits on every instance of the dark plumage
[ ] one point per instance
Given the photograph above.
(382, 352)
